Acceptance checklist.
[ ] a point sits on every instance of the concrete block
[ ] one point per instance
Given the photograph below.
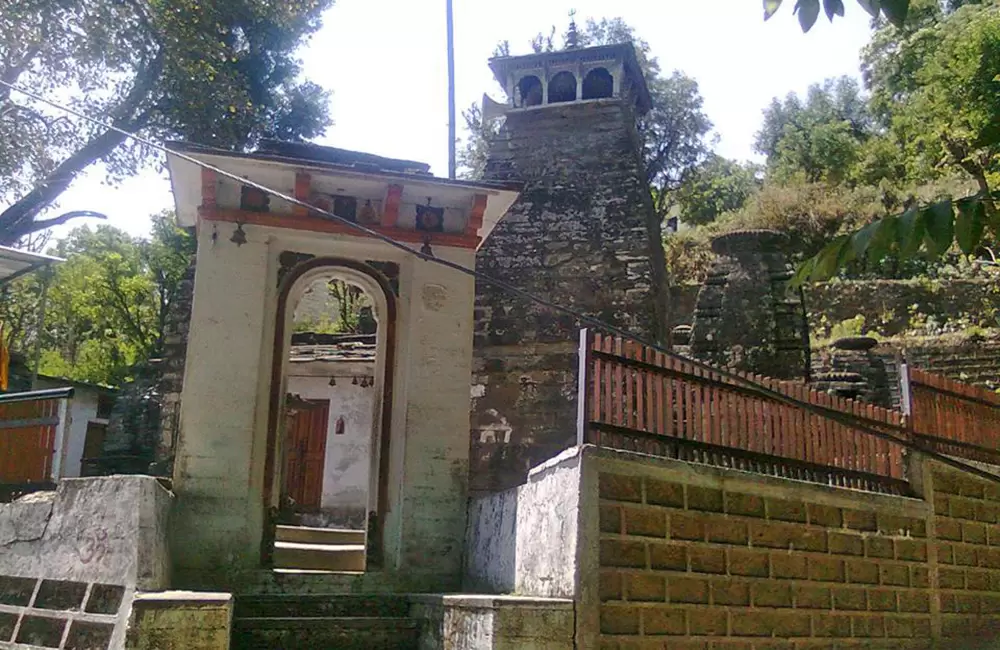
(180, 620)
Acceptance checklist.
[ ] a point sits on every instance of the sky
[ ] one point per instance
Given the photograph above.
(385, 61)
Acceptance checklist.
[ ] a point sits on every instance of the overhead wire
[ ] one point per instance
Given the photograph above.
(854, 421)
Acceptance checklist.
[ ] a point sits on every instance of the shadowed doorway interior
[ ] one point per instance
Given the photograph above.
(330, 419)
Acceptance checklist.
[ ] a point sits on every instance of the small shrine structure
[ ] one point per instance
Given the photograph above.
(257, 256)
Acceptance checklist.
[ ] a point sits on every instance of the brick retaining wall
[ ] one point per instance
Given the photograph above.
(697, 559)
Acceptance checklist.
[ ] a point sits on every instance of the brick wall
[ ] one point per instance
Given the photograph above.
(760, 563)
(966, 512)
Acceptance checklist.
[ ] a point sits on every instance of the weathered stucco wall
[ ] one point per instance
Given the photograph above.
(71, 560)
(581, 236)
(108, 529)
(524, 540)
(494, 623)
(69, 447)
(219, 471)
(180, 620)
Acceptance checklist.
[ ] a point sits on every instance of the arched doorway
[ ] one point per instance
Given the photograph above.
(598, 84)
(529, 91)
(326, 473)
(562, 88)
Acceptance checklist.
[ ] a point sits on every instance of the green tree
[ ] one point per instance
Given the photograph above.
(218, 72)
(820, 137)
(107, 303)
(716, 186)
(948, 116)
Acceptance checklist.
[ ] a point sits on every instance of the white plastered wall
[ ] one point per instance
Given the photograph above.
(347, 461)
(219, 471)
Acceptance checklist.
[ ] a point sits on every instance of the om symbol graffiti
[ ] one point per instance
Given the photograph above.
(92, 545)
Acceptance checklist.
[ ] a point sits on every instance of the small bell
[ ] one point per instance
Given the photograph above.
(239, 236)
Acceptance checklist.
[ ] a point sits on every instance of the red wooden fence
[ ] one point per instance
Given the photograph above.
(957, 412)
(27, 439)
(633, 397)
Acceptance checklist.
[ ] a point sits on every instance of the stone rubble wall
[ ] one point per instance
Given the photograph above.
(581, 235)
(175, 337)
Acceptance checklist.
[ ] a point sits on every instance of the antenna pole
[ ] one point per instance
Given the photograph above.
(452, 163)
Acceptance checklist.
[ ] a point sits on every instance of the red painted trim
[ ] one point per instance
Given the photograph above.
(393, 197)
(314, 224)
(209, 183)
(303, 188)
(475, 222)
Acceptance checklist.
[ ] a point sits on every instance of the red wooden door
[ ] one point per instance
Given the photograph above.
(27, 440)
(306, 451)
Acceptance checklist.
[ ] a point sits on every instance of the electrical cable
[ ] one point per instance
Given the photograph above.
(859, 423)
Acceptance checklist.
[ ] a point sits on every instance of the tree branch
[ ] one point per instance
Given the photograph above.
(12, 73)
(19, 219)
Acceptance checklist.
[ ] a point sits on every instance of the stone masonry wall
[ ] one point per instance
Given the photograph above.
(754, 563)
(581, 235)
(175, 337)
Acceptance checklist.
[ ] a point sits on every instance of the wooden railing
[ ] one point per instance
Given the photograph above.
(962, 418)
(634, 398)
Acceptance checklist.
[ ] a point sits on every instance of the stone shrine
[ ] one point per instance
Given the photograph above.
(257, 256)
(747, 317)
(583, 234)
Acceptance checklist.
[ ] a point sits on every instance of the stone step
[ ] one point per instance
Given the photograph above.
(322, 557)
(313, 605)
(307, 535)
(333, 632)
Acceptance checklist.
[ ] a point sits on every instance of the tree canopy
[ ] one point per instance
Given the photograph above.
(107, 304)
(715, 187)
(821, 137)
(217, 72)
(939, 98)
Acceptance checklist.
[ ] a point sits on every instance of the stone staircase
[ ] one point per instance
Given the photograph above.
(319, 549)
(334, 622)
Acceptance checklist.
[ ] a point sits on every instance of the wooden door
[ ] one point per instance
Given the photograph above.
(305, 453)
(27, 440)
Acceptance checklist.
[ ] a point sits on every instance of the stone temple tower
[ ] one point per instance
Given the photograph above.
(583, 234)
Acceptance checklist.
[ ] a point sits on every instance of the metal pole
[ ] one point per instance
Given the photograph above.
(452, 163)
(46, 274)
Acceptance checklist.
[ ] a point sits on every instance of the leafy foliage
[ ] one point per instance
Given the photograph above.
(217, 72)
(338, 310)
(821, 137)
(895, 11)
(107, 303)
(945, 112)
(715, 187)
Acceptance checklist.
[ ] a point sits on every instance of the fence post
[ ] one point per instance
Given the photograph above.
(583, 379)
(906, 396)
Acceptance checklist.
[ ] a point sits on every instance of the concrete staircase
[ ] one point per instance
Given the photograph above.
(316, 622)
(319, 549)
